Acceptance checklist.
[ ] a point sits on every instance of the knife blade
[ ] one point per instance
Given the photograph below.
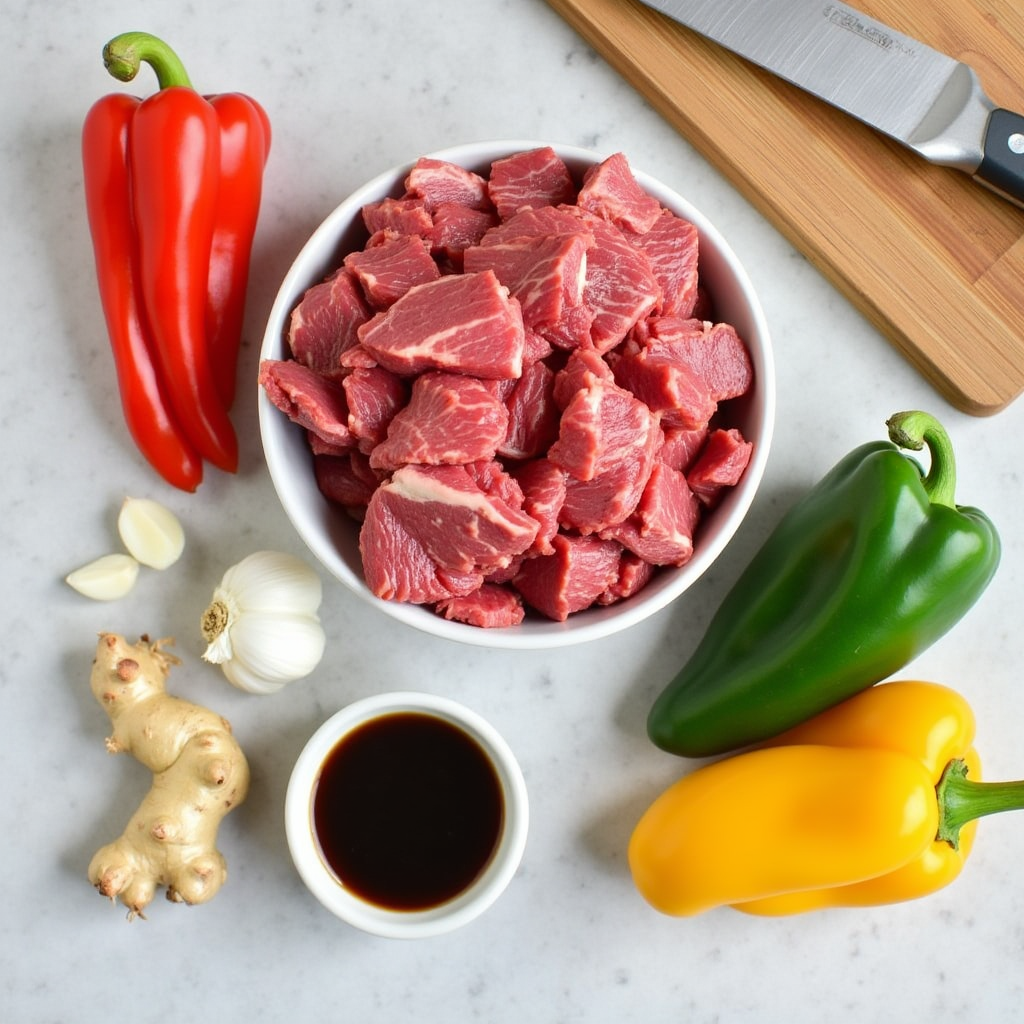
(925, 99)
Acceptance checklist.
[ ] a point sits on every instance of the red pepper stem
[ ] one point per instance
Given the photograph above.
(914, 430)
(124, 55)
(962, 800)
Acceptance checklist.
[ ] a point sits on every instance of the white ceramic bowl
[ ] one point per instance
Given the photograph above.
(333, 537)
(319, 878)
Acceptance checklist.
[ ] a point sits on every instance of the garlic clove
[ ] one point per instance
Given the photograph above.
(105, 579)
(151, 533)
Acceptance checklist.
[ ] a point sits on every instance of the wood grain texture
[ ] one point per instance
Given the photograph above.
(931, 258)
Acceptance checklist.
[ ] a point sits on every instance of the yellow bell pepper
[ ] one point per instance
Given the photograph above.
(867, 803)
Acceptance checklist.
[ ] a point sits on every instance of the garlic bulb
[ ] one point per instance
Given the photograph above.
(262, 626)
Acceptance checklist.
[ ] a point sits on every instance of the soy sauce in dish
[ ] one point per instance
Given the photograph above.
(407, 811)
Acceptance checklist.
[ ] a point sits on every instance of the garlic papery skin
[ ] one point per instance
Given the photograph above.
(152, 533)
(105, 579)
(262, 625)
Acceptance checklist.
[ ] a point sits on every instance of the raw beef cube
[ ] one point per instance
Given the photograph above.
(373, 395)
(388, 270)
(672, 246)
(720, 464)
(491, 607)
(545, 273)
(324, 323)
(681, 445)
(666, 384)
(535, 177)
(660, 531)
(403, 216)
(450, 419)
(466, 323)
(539, 222)
(535, 347)
(602, 427)
(396, 565)
(438, 181)
(457, 228)
(345, 479)
(582, 366)
(620, 288)
(307, 398)
(570, 579)
(463, 528)
(714, 351)
(634, 575)
(613, 494)
(532, 414)
(318, 446)
(612, 192)
(543, 485)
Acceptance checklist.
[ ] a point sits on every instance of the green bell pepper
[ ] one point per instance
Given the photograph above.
(869, 568)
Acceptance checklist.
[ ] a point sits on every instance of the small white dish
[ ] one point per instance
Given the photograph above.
(321, 879)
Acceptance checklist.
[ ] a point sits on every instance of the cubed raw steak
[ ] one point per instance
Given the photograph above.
(634, 575)
(721, 464)
(666, 384)
(602, 427)
(681, 445)
(620, 288)
(570, 579)
(613, 494)
(673, 247)
(307, 398)
(543, 485)
(450, 419)
(491, 607)
(456, 228)
(462, 527)
(535, 177)
(545, 273)
(582, 366)
(439, 181)
(396, 565)
(373, 395)
(403, 216)
(611, 191)
(346, 479)
(660, 531)
(532, 414)
(714, 351)
(387, 270)
(324, 323)
(466, 323)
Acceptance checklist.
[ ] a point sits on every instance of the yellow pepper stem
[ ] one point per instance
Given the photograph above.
(962, 800)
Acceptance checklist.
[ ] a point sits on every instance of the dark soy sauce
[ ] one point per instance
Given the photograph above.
(407, 811)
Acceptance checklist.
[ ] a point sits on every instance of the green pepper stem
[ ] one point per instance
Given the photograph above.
(962, 800)
(914, 430)
(124, 55)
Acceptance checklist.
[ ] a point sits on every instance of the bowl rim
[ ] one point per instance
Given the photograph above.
(367, 916)
(537, 634)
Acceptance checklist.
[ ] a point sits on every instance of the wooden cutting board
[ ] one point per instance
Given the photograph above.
(934, 260)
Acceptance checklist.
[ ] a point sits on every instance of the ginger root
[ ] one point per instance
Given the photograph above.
(199, 774)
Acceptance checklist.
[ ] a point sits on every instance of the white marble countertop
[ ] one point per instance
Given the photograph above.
(353, 89)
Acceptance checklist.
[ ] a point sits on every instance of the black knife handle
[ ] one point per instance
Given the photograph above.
(1002, 163)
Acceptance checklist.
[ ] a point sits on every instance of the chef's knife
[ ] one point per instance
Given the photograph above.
(918, 96)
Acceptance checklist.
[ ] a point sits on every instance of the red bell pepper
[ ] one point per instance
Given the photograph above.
(192, 174)
(147, 411)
